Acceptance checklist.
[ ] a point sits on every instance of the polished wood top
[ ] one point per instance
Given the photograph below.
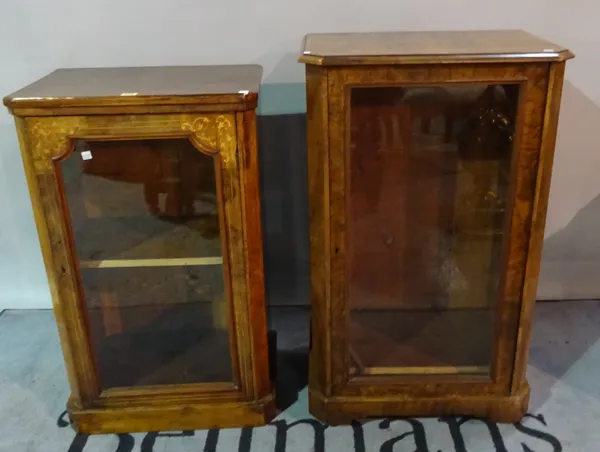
(166, 85)
(428, 47)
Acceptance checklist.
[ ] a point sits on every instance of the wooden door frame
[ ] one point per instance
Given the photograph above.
(45, 141)
(523, 194)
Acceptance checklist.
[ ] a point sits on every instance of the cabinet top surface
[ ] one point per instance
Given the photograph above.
(428, 47)
(141, 86)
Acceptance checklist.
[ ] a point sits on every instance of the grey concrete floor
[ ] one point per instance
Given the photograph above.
(564, 372)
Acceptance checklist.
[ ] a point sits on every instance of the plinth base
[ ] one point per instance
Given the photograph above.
(146, 416)
(343, 410)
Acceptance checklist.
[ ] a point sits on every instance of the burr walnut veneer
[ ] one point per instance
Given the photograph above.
(430, 157)
(144, 183)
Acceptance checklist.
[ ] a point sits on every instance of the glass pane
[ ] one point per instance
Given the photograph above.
(145, 222)
(428, 180)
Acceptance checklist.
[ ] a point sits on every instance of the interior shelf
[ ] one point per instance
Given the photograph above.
(163, 262)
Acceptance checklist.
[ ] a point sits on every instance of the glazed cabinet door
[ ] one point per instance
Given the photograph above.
(142, 227)
(432, 177)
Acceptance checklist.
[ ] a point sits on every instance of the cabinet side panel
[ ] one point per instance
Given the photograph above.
(522, 188)
(337, 245)
(540, 205)
(318, 183)
(231, 199)
(249, 174)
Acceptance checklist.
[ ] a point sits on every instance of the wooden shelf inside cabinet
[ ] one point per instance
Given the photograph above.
(144, 183)
(177, 262)
(433, 152)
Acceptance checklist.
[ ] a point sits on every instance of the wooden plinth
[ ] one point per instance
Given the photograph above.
(341, 410)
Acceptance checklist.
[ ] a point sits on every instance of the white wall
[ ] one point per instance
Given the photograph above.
(37, 36)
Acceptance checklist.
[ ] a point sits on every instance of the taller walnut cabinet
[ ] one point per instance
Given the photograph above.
(144, 183)
(430, 157)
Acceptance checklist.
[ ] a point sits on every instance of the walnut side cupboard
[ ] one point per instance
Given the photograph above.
(144, 183)
(430, 156)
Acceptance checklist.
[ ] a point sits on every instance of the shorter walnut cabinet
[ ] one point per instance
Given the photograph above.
(144, 183)
(430, 157)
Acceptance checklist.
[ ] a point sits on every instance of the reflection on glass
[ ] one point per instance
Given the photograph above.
(428, 180)
(145, 222)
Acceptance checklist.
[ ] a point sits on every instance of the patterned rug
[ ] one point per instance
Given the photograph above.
(564, 373)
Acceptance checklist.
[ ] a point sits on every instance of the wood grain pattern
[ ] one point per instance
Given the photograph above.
(497, 408)
(539, 210)
(250, 194)
(171, 416)
(432, 47)
(501, 393)
(318, 187)
(130, 86)
(49, 138)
